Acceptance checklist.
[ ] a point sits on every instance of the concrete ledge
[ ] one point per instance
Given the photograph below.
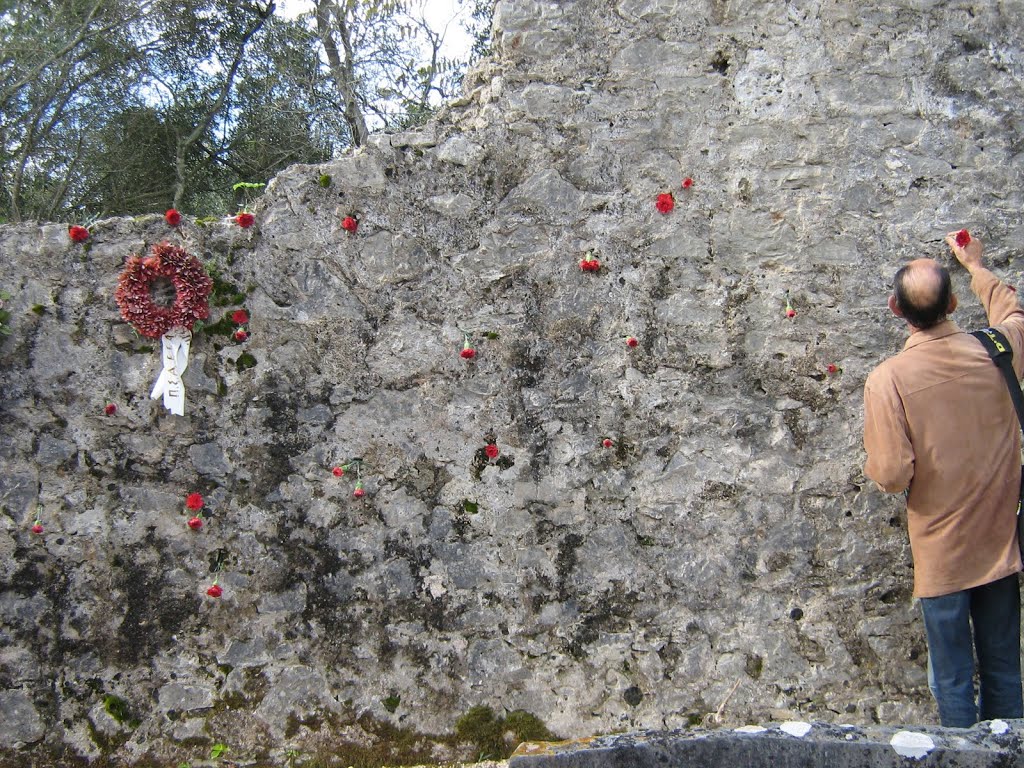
(995, 744)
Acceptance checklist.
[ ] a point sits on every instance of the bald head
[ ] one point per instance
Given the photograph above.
(923, 293)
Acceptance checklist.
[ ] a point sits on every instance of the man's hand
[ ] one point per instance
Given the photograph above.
(969, 255)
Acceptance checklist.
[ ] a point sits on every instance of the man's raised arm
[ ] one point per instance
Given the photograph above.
(1002, 308)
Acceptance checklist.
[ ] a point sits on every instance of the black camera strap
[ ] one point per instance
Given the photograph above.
(999, 350)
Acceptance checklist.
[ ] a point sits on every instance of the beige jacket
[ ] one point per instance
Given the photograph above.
(938, 420)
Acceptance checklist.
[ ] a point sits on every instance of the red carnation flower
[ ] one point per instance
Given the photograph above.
(78, 234)
(468, 353)
(172, 217)
(194, 501)
(240, 335)
(195, 523)
(963, 237)
(245, 219)
(665, 202)
(215, 591)
(349, 224)
(240, 317)
(589, 264)
(687, 182)
(359, 492)
(631, 341)
(607, 442)
(491, 450)
(110, 409)
(790, 312)
(37, 528)
(338, 471)
(832, 368)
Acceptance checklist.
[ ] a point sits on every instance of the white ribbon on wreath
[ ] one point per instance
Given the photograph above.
(175, 359)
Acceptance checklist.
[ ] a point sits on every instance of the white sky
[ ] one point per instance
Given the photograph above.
(438, 14)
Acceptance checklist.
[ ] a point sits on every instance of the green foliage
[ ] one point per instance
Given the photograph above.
(124, 106)
(391, 702)
(325, 180)
(223, 327)
(527, 726)
(118, 709)
(494, 737)
(385, 744)
(224, 293)
(754, 665)
(245, 361)
(5, 315)
(470, 507)
(483, 729)
(480, 28)
(217, 751)
(134, 106)
(58, 77)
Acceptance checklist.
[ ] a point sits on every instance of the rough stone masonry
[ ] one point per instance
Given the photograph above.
(723, 556)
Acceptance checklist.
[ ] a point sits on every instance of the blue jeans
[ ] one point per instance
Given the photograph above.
(994, 611)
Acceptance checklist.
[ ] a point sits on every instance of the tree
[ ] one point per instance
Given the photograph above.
(282, 112)
(480, 27)
(118, 106)
(105, 100)
(385, 61)
(131, 162)
(231, 52)
(334, 27)
(66, 68)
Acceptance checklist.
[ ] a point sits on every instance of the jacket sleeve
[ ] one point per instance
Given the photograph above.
(1002, 309)
(890, 461)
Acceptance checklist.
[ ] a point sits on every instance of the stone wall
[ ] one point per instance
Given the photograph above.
(725, 554)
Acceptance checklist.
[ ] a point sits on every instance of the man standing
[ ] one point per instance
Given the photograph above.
(939, 424)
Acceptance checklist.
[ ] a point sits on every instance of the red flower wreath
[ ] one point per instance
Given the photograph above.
(191, 284)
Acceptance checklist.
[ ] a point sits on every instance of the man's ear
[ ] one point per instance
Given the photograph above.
(952, 304)
(894, 307)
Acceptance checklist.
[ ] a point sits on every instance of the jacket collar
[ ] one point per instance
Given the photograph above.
(943, 329)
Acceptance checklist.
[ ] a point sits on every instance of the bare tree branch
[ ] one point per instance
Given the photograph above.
(204, 123)
(83, 34)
